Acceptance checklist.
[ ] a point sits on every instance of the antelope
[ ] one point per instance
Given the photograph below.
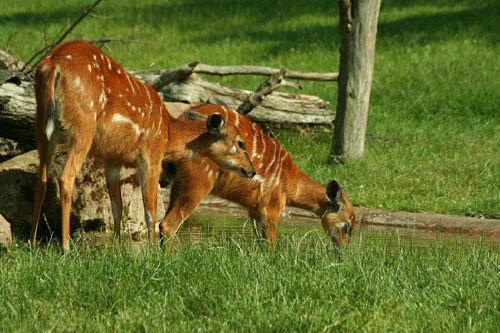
(85, 97)
(278, 182)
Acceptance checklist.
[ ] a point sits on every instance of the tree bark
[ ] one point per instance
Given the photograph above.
(358, 26)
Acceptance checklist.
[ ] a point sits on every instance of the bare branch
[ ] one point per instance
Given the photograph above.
(111, 39)
(45, 50)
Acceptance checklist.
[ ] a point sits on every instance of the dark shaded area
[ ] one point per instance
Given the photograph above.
(242, 20)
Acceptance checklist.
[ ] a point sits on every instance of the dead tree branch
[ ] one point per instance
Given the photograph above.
(47, 49)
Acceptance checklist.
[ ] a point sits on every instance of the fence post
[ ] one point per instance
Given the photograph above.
(358, 27)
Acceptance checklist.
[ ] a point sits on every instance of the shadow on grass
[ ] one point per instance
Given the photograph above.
(277, 26)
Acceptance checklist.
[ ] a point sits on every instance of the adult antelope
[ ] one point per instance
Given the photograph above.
(278, 182)
(99, 108)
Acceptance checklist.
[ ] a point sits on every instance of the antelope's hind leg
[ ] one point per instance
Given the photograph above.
(115, 195)
(46, 150)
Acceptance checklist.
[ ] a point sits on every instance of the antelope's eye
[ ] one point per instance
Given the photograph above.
(241, 145)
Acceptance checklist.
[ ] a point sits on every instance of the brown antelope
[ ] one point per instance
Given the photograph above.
(87, 98)
(278, 182)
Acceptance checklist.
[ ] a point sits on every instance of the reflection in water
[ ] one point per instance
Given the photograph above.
(205, 228)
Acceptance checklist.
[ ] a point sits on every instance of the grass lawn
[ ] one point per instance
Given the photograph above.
(432, 145)
(236, 285)
(434, 124)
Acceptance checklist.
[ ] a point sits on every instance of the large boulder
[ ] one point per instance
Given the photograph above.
(91, 208)
(5, 233)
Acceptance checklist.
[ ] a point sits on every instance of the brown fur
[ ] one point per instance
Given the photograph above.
(84, 95)
(278, 182)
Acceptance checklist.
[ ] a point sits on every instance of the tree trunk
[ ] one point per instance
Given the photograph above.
(358, 26)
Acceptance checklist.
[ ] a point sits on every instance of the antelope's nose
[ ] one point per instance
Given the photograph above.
(251, 174)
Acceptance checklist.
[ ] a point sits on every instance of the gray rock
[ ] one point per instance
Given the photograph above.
(5, 233)
(91, 207)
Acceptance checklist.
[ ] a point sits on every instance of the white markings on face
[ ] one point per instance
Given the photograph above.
(68, 57)
(233, 150)
(89, 67)
(118, 118)
(77, 82)
(340, 225)
(230, 163)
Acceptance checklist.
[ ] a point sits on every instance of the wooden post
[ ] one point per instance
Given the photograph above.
(358, 26)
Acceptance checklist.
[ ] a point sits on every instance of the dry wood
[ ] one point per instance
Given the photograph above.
(274, 82)
(185, 70)
(358, 26)
(277, 110)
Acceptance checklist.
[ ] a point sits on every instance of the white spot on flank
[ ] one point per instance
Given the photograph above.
(130, 82)
(77, 81)
(217, 174)
(109, 63)
(210, 174)
(68, 57)
(206, 168)
(102, 58)
(95, 57)
(90, 68)
(109, 90)
(128, 104)
(133, 108)
(118, 118)
(91, 104)
(120, 95)
(119, 71)
(95, 116)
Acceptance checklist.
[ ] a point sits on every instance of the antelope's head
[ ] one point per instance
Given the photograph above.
(224, 145)
(338, 217)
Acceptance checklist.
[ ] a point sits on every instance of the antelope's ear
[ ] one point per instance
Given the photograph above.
(215, 123)
(333, 191)
(192, 115)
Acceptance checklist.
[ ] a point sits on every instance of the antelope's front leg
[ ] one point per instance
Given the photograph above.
(150, 174)
(115, 195)
(185, 196)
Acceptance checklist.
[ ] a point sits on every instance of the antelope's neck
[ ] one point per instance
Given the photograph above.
(307, 194)
(185, 138)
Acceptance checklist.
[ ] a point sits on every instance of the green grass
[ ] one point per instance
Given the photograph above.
(237, 285)
(433, 129)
